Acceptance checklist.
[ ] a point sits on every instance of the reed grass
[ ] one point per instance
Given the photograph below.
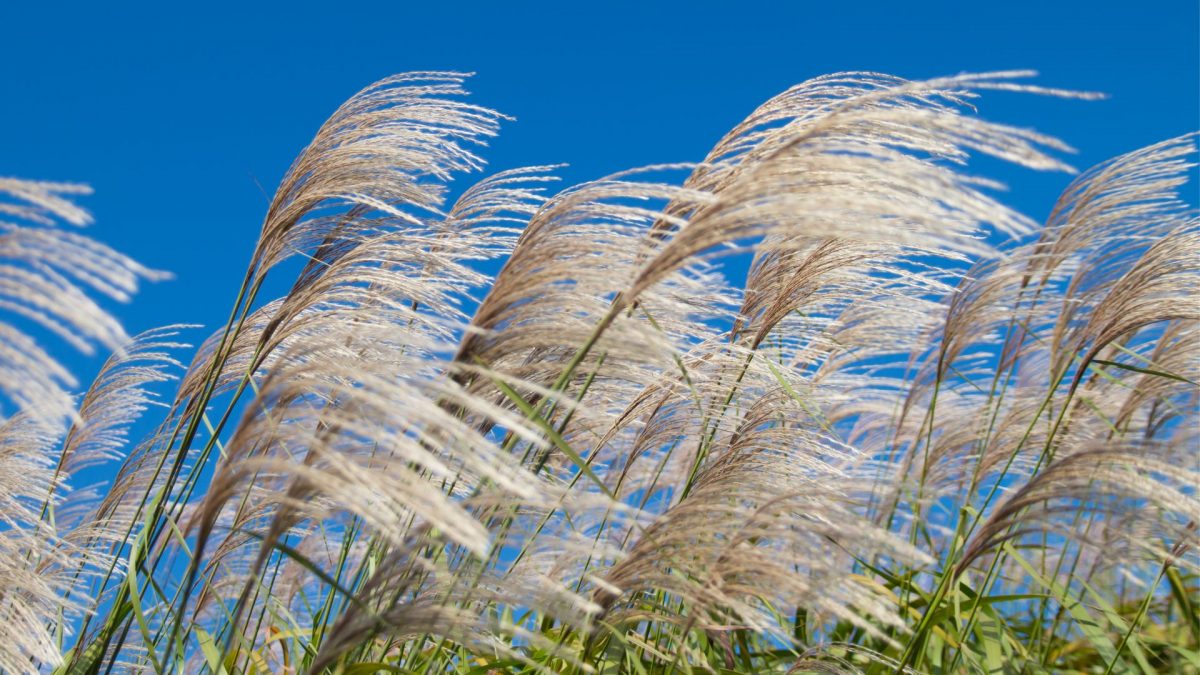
(501, 428)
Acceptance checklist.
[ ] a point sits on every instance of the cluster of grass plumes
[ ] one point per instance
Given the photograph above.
(925, 434)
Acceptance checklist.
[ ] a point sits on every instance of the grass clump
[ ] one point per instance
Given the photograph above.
(524, 431)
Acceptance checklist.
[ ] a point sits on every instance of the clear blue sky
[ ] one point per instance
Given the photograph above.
(174, 113)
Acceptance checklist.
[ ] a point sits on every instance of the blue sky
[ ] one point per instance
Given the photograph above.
(177, 115)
